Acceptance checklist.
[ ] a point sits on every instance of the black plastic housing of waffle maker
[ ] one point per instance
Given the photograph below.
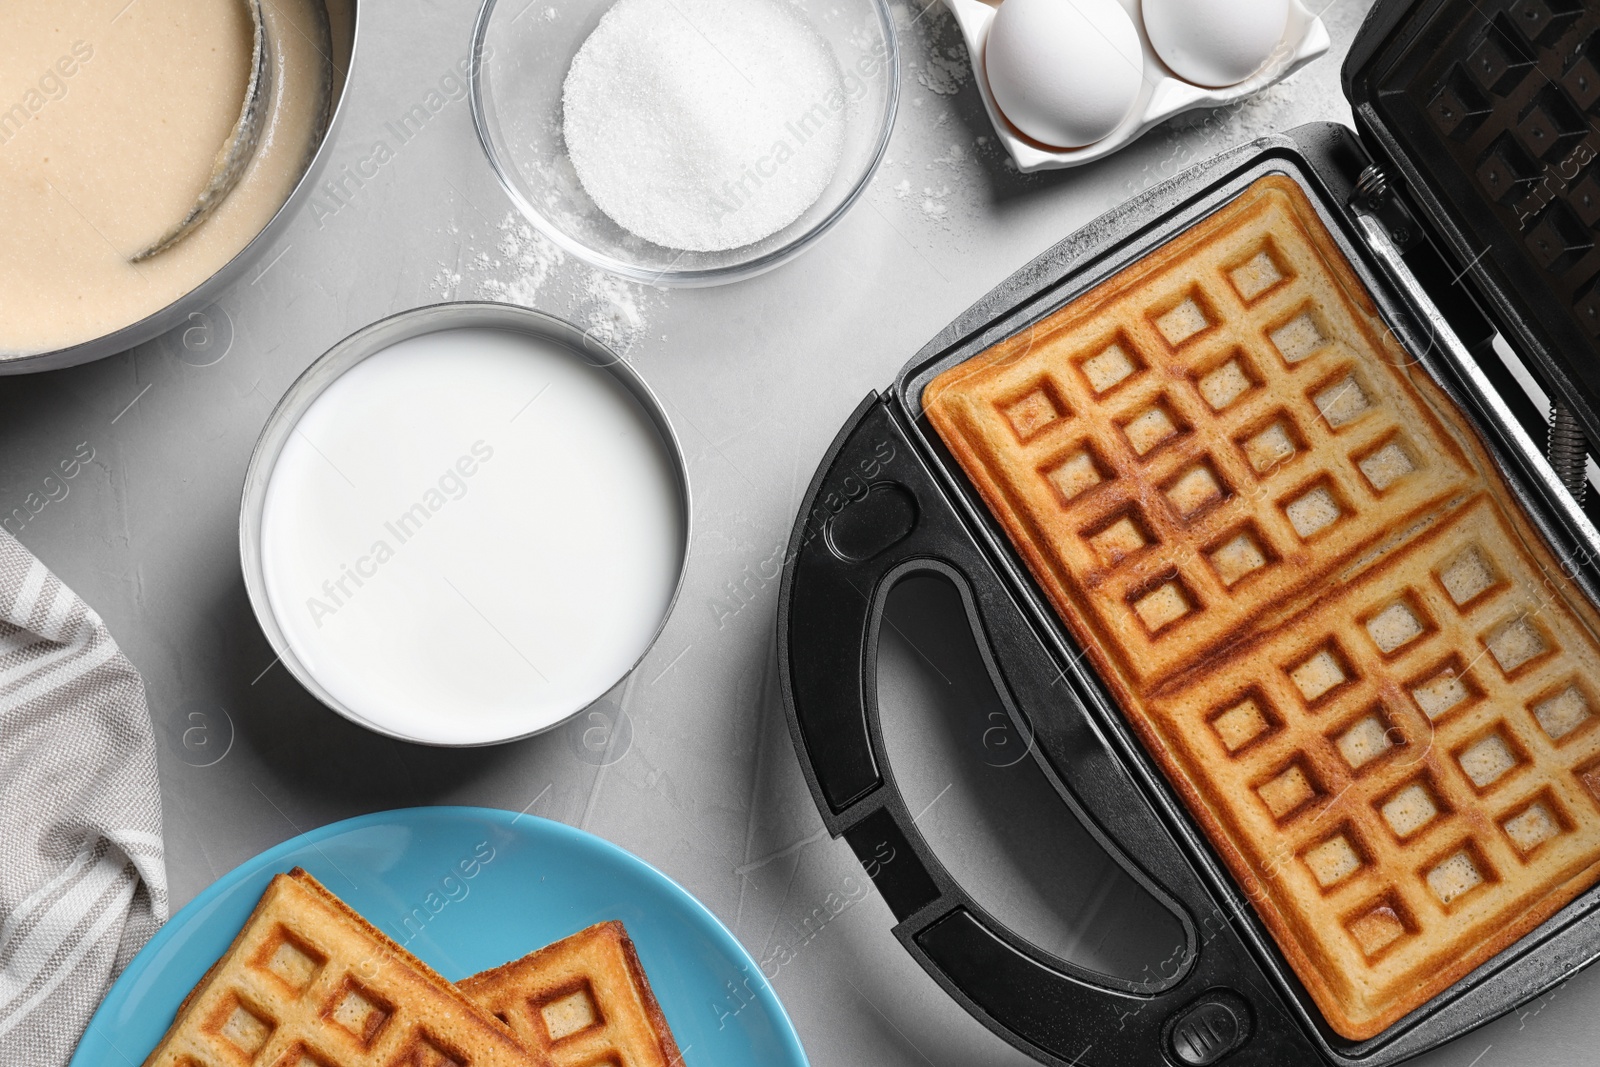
(889, 502)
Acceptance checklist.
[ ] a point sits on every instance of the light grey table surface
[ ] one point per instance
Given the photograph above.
(757, 377)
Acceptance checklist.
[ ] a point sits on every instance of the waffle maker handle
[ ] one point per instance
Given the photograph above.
(875, 515)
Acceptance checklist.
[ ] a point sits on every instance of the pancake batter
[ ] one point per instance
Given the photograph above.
(111, 116)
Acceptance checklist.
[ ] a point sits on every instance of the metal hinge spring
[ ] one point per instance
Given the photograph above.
(1373, 185)
(1373, 195)
(1568, 450)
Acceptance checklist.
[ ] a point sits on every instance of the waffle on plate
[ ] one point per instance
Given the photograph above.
(1295, 566)
(309, 983)
(583, 1000)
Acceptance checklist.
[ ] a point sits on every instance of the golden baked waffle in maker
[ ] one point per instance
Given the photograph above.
(309, 983)
(582, 1002)
(1296, 568)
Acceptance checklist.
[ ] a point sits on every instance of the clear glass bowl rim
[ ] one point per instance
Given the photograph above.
(688, 277)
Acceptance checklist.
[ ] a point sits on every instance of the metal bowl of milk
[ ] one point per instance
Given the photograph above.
(464, 524)
(684, 142)
(118, 127)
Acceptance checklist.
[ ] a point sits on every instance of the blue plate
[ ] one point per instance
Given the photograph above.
(465, 889)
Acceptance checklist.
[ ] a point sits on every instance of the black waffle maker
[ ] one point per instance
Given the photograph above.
(1468, 202)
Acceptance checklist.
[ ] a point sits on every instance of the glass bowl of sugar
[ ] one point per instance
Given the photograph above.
(684, 142)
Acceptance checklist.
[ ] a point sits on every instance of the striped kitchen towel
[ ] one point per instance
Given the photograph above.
(82, 880)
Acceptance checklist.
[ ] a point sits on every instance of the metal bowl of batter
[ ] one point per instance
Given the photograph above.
(93, 184)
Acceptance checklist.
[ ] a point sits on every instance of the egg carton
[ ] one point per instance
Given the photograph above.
(1161, 95)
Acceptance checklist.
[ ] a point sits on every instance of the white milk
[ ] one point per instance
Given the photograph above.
(471, 535)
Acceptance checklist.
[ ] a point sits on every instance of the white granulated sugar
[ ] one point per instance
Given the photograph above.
(704, 124)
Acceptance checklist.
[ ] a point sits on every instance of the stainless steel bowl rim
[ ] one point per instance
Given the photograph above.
(160, 321)
(370, 340)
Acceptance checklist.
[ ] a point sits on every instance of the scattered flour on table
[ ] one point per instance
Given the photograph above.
(528, 269)
(704, 125)
(531, 257)
(612, 313)
(945, 70)
(943, 160)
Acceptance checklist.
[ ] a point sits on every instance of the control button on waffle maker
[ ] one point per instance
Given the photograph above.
(1207, 1031)
(882, 518)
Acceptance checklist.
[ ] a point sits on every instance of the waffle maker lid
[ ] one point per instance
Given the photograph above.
(1484, 117)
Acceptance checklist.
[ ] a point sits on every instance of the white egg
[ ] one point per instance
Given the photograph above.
(1215, 42)
(1065, 72)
